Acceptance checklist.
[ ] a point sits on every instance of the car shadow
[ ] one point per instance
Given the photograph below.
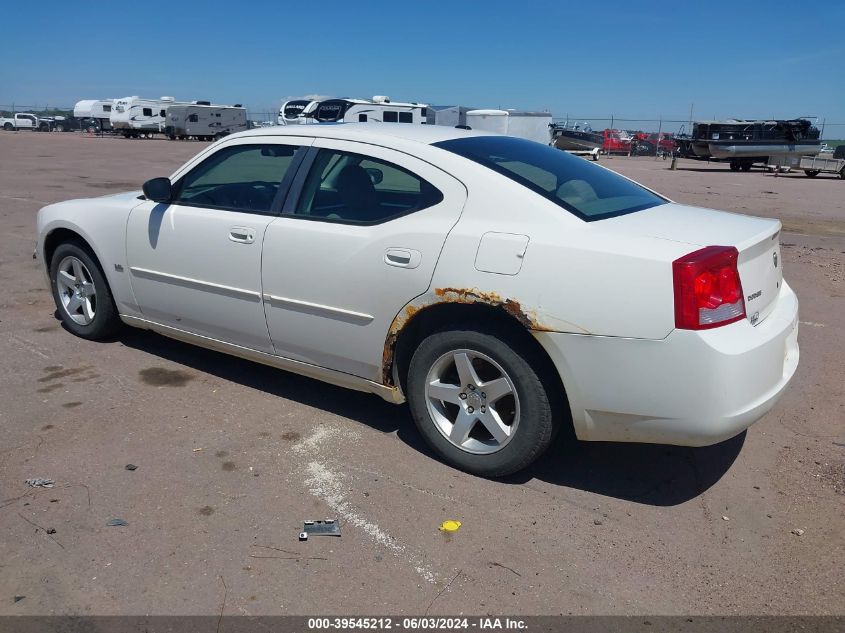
(650, 474)
(642, 473)
(361, 407)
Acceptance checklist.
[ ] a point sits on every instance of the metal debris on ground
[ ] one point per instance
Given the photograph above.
(131, 467)
(329, 527)
(19, 598)
(798, 531)
(40, 482)
(116, 523)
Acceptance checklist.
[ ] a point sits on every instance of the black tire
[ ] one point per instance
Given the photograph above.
(536, 426)
(746, 166)
(811, 173)
(106, 321)
(7, 126)
(842, 173)
(734, 165)
(60, 127)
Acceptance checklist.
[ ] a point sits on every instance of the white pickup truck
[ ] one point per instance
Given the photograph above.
(23, 121)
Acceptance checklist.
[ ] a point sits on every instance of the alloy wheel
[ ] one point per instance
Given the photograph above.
(77, 291)
(472, 401)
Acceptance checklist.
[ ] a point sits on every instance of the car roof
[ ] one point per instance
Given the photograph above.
(376, 133)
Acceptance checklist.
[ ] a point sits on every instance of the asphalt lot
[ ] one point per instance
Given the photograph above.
(232, 457)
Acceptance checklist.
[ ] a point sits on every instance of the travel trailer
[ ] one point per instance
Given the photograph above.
(134, 116)
(204, 121)
(98, 110)
(533, 126)
(297, 111)
(379, 110)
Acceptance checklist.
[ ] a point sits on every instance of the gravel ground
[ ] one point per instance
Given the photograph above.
(232, 456)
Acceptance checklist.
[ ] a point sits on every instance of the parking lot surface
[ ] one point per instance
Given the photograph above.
(232, 457)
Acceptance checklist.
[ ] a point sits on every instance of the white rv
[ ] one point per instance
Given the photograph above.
(297, 111)
(533, 126)
(134, 116)
(97, 109)
(379, 110)
(205, 121)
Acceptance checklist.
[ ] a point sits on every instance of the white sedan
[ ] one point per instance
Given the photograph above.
(505, 288)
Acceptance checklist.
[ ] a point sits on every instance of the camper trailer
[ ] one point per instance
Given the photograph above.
(533, 126)
(379, 110)
(297, 111)
(134, 116)
(96, 110)
(204, 121)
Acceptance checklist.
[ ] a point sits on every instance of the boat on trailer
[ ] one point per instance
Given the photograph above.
(742, 143)
(575, 138)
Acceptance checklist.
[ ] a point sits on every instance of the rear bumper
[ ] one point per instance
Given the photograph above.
(690, 389)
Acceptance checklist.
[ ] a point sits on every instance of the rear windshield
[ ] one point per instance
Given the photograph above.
(584, 189)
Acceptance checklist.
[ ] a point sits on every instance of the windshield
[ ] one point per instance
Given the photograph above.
(586, 190)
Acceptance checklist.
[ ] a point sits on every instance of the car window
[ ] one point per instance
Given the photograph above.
(239, 178)
(585, 190)
(358, 189)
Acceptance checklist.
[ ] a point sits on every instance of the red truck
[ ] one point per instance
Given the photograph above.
(616, 142)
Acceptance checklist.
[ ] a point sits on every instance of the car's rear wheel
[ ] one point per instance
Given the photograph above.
(479, 402)
(81, 293)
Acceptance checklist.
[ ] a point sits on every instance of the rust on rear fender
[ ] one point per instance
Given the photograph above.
(527, 318)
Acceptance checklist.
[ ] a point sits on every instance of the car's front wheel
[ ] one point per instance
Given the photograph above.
(81, 293)
(479, 402)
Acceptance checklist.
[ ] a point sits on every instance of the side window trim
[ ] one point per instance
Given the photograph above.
(298, 182)
(278, 201)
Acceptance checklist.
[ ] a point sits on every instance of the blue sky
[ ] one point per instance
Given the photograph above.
(601, 58)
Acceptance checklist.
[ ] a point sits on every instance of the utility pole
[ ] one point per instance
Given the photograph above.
(659, 134)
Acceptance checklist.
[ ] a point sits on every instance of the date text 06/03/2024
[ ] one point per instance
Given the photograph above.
(419, 623)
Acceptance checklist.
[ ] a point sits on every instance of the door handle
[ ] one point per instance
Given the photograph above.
(402, 257)
(242, 234)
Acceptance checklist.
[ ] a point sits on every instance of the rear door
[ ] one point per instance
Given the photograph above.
(361, 240)
(195, 263)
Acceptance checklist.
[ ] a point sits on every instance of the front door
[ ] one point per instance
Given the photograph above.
(360, 243)
(195, 263)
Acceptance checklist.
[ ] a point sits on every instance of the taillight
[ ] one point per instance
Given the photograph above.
(708, 292)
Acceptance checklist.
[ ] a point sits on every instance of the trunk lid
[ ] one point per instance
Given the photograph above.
(756, 239)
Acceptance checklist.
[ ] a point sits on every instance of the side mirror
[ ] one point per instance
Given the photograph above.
(158, 190)
(376, 175)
